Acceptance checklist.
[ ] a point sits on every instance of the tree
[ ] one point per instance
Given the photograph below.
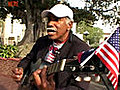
(95, 34)
(29, 11)
(107, 9)
(84, 15)
(95, 9)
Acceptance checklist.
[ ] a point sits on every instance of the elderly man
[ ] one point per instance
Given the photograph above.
(59, 44)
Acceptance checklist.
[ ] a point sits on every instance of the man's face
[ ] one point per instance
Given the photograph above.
(57, 28)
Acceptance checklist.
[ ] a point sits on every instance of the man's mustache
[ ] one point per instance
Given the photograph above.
(50, 29)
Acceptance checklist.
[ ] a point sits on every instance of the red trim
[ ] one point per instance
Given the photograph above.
(14, 59)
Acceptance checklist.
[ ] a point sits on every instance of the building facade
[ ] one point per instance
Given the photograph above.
(11, 32)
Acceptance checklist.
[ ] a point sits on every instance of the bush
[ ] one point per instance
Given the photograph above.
(8, 51)
(95, 45)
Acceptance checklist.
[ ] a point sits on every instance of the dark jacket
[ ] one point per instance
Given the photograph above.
(71, 48)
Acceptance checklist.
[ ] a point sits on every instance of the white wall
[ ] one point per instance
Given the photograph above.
(15, 29)
(74, 31)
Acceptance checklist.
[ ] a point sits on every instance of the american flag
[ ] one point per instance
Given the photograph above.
(108, 52)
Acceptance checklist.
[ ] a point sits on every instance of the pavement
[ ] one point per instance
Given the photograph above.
(6, 81)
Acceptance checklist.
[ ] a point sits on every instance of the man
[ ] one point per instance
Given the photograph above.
(60, 38)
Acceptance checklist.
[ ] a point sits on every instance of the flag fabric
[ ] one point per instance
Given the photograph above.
(83, 55)
(108, 52)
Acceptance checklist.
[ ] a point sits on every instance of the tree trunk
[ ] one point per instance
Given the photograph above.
(37, 23)
(35, 28)
(28, 37)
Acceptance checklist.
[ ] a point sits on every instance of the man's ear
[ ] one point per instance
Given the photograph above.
(70, 24)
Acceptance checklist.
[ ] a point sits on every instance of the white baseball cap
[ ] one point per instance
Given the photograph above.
(59, 10)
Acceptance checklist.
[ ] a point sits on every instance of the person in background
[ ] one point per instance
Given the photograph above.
(59, 44)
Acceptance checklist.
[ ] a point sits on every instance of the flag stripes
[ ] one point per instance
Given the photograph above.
(112, 63)
(110, 48)
(112, 79)
(110, 57)
(109, 54)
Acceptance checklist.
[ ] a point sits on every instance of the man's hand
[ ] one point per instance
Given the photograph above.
(17, 74)
(42, 81)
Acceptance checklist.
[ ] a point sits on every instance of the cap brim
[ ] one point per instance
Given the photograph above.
(45, 13)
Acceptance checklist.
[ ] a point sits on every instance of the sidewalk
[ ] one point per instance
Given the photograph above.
(6, 82)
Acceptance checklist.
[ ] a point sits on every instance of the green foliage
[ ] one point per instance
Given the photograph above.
(94, 45)
(95, 33)
(84, 15)
(8, 51)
